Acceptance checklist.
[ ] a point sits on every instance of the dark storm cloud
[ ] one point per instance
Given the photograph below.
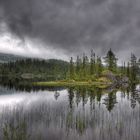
(75, 25)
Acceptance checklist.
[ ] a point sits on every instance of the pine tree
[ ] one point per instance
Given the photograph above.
(78, 62)
(84, 65)
(111, 61)
(92, 63)
(133, 71)
(71, 68)
(99, 66)
(128, 69)
(124, 68)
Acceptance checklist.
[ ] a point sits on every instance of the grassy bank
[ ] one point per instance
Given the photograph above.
(73, 84)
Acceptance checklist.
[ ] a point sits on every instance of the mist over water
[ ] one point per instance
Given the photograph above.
(75, 113)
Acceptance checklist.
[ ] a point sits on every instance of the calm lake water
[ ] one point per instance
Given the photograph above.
(70, 114)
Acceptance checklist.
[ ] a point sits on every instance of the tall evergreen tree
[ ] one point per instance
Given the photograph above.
(84, 65)
(71, 68)
(124, 68)
(99, 66)
(111, 61)
(78, 62)
(133, 68)
(92, 63)
(128, 69)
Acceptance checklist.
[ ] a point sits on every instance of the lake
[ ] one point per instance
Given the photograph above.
(69, 114)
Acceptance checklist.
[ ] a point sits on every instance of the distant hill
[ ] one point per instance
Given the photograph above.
(4, 58)
(33, 68)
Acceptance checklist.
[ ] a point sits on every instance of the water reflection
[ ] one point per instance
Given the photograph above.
(20, 84)
(73, 113)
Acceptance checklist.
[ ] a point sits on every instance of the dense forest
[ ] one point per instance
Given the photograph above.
(35, 68)
(86, 68)
(82, 69)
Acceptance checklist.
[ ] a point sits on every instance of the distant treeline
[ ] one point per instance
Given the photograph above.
(35, 68)
(84, 68)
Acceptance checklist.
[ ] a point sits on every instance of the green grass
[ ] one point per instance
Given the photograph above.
(72, 84)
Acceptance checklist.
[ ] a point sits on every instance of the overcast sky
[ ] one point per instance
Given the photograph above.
(64, 28)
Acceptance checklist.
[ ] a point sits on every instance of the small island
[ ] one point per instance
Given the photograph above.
(93, 71)
(98, 72)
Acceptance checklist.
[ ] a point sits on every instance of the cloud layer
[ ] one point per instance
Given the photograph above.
(75, 26)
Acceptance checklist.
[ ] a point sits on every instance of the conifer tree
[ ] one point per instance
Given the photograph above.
(92, 63)
(128, 69)
(84, 65)
(111, 61)
(71, 68)
(99, 66)
(124, 68)
(133, 72)
(78, 61)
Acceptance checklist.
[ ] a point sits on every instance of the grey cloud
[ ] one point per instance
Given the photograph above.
(75, 25)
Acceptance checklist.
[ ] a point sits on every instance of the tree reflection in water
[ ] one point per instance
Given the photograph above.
(78, 113)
